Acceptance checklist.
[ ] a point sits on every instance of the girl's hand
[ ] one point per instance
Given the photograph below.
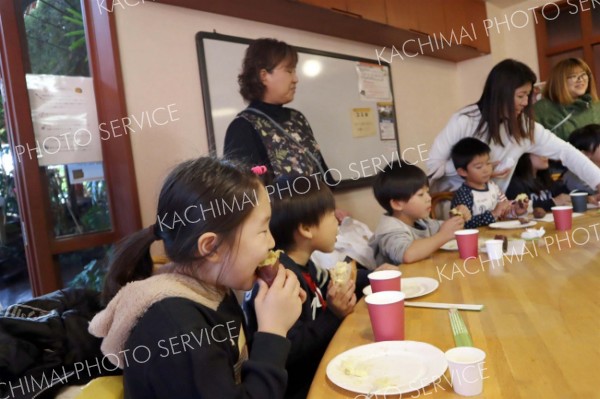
(502, 209)
(278, 307)
(341, 298)
(519, 210)
(562, 199)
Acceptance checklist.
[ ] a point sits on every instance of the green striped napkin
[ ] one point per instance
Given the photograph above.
(459, 329)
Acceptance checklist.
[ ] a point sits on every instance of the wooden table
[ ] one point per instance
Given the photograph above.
(540, 327)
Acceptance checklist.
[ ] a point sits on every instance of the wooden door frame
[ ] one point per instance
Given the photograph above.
(41, 247)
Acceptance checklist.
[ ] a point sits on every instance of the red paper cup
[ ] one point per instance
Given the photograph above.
(385, 280)
(468, 242)
(563, 217)
(386, 311)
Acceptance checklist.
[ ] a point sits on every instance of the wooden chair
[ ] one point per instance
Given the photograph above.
(437, 204)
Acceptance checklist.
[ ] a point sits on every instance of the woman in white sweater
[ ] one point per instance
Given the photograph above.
(503, 118)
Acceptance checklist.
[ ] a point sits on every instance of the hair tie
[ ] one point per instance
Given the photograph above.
(155, 229)
(259, 170)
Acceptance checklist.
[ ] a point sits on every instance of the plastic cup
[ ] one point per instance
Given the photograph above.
(386, 311)
(467, 241)
(466, 370)
(385, 280)
(579, 201)
(563, 217)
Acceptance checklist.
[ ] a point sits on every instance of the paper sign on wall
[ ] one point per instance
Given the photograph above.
(65, 121)
(363, 122)
(373, 82)
(385, 111)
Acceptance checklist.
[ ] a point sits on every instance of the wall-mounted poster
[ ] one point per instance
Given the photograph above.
(65, 121)
(385, 112)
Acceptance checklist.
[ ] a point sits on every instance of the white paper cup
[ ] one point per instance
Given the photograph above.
(494, 249)
(516, 247)
(466, 370)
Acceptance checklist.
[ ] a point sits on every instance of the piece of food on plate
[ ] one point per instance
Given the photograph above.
(523, 220)
(522, 200)
(353, 368)
(504, 241)
(539, 213)
(267, 269)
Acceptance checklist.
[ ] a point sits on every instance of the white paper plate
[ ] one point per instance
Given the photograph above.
(512, 224)
(389, 367)
(413, 287)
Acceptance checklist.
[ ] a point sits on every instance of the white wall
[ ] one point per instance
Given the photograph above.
(160, 67)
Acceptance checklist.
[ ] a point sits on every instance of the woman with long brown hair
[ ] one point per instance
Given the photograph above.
(503, 118)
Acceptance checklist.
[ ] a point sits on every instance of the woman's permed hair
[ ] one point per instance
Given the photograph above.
(556, 88)
(497, 103)
(297, 200)
(198, 196)
(263, 54)
(398, 181)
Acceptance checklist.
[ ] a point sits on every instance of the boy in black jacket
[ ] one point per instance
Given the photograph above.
(303, 221)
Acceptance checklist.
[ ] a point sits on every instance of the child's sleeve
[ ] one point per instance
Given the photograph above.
(311, 337)
(464, 197)
(393, 245)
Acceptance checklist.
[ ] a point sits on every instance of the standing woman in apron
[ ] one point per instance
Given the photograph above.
(267, 133)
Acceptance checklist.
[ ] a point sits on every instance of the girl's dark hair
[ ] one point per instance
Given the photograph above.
(199, 196)
(398, 181)
(586, 138)
(297, 200)
(533, 182)
(497, 103)
(263, 54)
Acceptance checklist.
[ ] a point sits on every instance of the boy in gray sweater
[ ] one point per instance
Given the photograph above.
(406, 233)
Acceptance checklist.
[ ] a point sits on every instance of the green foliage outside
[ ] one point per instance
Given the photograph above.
(56, 46)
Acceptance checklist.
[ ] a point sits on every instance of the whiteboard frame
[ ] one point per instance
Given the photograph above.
(205, 87)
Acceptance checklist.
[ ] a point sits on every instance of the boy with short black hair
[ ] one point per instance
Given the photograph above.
(303, 221)
(483, 198)
(406, 233)
(587, 140)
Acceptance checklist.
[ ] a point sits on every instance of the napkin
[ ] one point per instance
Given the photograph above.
(531, 234)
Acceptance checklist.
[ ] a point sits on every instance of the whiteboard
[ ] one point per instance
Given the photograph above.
(327, 100)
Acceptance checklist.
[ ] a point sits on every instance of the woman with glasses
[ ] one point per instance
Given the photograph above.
(569, 98)
(503, 118)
